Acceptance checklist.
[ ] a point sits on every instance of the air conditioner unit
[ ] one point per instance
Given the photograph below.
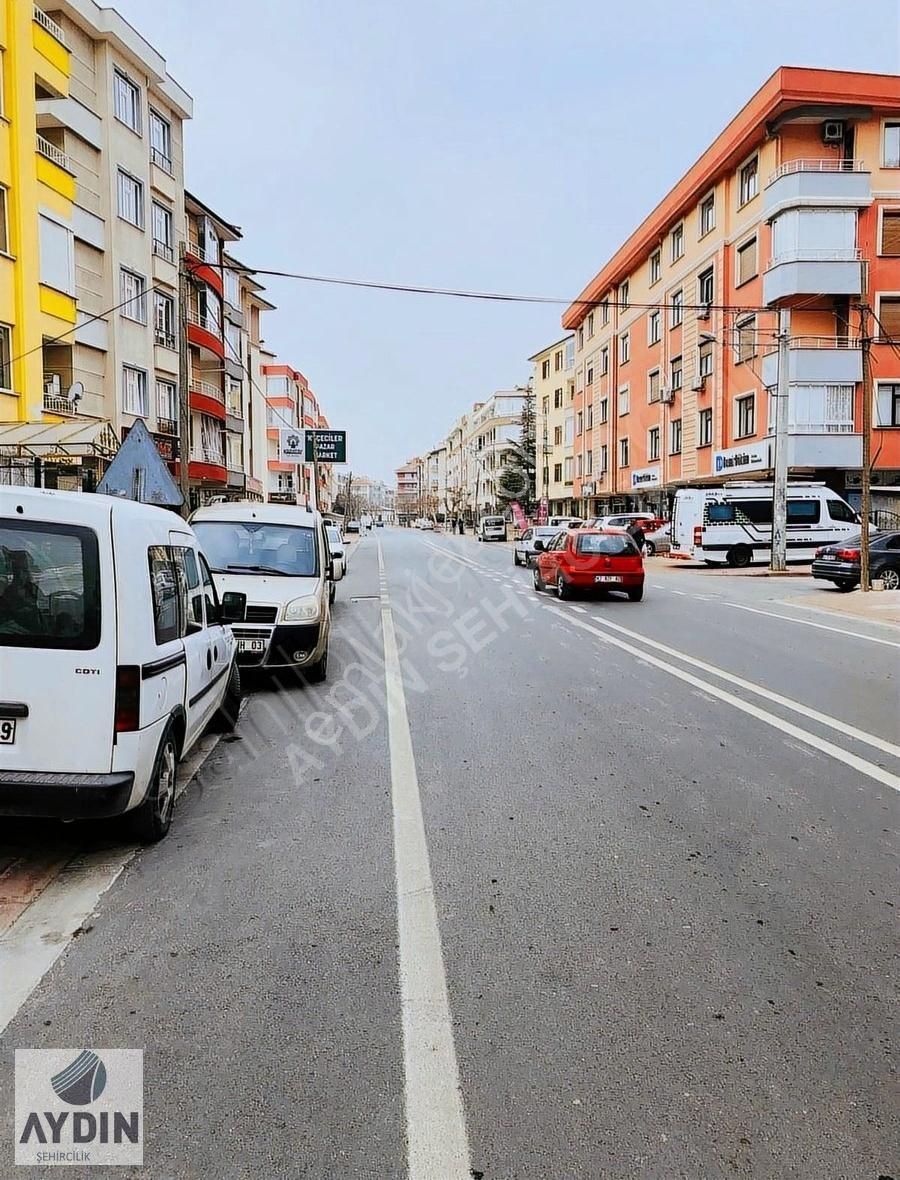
(832, 131)
(703, 313)
(697, 384)
(666, 394)
(53, 386)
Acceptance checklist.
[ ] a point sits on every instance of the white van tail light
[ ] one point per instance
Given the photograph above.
(698, 535)
(128, 698)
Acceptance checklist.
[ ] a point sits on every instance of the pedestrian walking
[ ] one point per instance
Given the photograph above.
(636, 533)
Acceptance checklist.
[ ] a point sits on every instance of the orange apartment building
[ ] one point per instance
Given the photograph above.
(291, 404)
(796, 205)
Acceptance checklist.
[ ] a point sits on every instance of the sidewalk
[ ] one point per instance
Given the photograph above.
(874, 607)
(664, 564)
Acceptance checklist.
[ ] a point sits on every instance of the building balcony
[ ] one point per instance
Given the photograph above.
(167, 426)
(830, 182)
(164, 250)
(817, 450)
(160, 160)
(204, 332)
(58, 405)
(813, 272)
(817, 360)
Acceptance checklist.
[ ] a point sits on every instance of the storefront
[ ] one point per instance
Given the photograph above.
(68, 456)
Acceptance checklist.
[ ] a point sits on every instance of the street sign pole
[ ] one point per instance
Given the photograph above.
(315, 450)
(782, 402)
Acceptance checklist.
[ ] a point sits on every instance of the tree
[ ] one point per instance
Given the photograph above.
(517, 477)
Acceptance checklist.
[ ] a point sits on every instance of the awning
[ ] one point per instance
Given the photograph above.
(87, 438)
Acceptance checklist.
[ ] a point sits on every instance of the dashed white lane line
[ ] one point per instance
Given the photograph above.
(862, 765)
(755, 610)
(437, 1143)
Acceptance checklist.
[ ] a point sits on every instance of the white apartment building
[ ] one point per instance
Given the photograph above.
(456, 481)
(554, 391)
(492, 426)
(120, 131)
(435, 481)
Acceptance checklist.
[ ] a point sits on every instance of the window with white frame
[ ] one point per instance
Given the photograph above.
(578, 467)
(676, 373)
(675, 436)
(234, 451)
(5, 358)
(589, 463)
(745, 415)
(603, 410)
(705, 359)
(655, 267)
(677, 309)
(233, 288)
(624, 401)
(4, 220)
(624, 452)
(579, 423)
(134, 391)
(818, 409)
(164, 319)
(133, 295)
(749, 181)
(704, 428)
(677, 242)
(127, 101)
(604, 361)
(653, 386)
(589, 417)
(160, 141)
(590, 325)
(604, 458)
(545, 369)
(162, 231)
(211, 440)
(568, 468)
(653, 327)
(653, 443)
(233, 343)
(887, 403)
(57, 257)
(623, 296)
(624, 348)
(569, 428)
(589, 374)
(166, 400)
(580, 339)
(823, 232)
(706, 286)
(130, 199)
(707, 214)
(557, 399)
(604, 313)
(890, 149)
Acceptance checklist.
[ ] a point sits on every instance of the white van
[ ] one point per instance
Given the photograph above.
(491, 528)
(733, 523)
(113, 657)
(273, 568)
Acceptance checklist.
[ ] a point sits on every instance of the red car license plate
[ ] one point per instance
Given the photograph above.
(607, 578)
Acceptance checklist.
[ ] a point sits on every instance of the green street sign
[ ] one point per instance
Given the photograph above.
(328, 446)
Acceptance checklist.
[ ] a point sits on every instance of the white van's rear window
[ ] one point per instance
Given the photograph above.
(49, 586)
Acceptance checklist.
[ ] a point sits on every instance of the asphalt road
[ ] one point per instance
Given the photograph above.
(637, 862)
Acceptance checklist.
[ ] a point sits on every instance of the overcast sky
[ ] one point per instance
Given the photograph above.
(506, 145)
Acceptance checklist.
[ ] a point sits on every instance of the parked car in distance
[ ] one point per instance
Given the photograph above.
(351, 526)
(523, 550)
(648, 522)
(273, 569)
(840, 563)
(491, 528)
(379, 524)
(338, 555)
(114, 655)
(565, 522)
(589, 559)
(424, 523)
(658, 541)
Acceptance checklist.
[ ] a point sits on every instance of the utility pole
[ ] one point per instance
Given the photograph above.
(315, 451)
(866, 473)
(779, 496)
(184, 383)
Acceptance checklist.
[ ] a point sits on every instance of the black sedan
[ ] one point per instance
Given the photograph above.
(839, 563)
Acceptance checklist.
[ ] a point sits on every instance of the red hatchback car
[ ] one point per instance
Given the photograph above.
(590, 559)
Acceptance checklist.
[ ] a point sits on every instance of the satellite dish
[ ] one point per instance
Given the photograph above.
(75, 392)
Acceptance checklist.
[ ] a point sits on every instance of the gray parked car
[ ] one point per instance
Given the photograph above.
(523, 550)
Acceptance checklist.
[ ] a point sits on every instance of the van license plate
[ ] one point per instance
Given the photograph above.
(607, 578)
(255, 645)
(7, 733)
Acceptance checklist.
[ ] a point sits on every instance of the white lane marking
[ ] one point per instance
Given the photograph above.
(844, 727)
(809, 623)
(579, 609)
(437, 1143)
(680, 593)
(455, 556)
(837, 752)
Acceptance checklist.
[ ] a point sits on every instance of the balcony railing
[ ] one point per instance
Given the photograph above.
(166, 339)
(161, 160)
(824, 342)
(166, 426)
(203, 321)
(58, 405)
(201, 454)
(208, 389)
(49, 24)
(802, 254)
(51, 152)
(831, 164)
(163, 250)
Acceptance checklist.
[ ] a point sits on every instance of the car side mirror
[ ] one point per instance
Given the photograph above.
(539, 546)
(234, 607)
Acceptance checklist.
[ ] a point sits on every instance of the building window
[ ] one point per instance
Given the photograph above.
(677, 242)
(545, 406)
(891, 145)
(624, 401)
(589, 463)
(604, 458)
(749, 185)
(706, 359)
(578, 466)
(160, 141)
(624, 457)
(677, 373)
(653, 386)
(557, 472)
(706, 287)
(557, 436)
(234, 343)
(130, 199)
(675, 436)
(624, 348)
(603, 410)
(134, 391)
(890, 233)
(707, 214)
(5, 357)
(161, 228)
(589, 375)
(887, 404)
(623, 296)
(127, 101)
(746, 339)
(746, 261)
(888, 319)
(164, 319)
(545, 369)
(557, 399)
(133, 294)
(4, 222)
(704, 428)
(653, 443)
(580, 339)
(568, 465)
(57, 260)
(677, 314)
(590, 325)
(558, 360)
(604, 313)
(604, 361)
(655, 267)
(653, 327)
(579, 423)
(589, 423)
(745, 412)
(166, 401)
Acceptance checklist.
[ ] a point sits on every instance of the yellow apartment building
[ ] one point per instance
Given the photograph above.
(553, 379)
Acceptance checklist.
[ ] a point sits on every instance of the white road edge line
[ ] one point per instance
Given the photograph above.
(437, 1142)
(809, 623)
(844, 727)
(802, 735)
